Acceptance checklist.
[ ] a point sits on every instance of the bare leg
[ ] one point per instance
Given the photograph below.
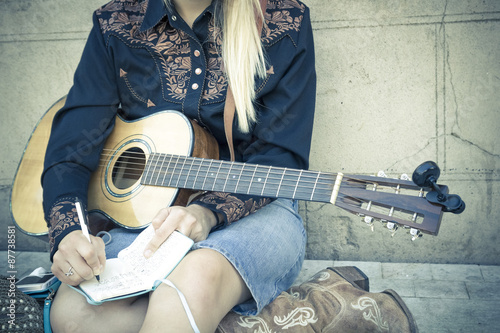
(212, 287)
(70, 312)
(209, 282)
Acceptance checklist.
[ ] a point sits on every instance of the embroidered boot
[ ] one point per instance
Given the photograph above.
(334, 300)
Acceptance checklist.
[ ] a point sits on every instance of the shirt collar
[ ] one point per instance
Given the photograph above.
(157, 10)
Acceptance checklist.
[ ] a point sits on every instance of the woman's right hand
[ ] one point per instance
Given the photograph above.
(77, 260)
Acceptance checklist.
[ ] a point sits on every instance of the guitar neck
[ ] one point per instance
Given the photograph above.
(236, 177)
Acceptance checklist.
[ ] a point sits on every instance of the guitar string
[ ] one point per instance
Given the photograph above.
(230, 165)
(400, 214)
(222, 166)
(271, 187)
(222, 163)
(142, 164)
(318, 176)
(140, 161)
(328, 177)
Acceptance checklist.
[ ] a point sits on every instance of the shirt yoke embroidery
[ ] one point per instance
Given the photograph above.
(172, 47)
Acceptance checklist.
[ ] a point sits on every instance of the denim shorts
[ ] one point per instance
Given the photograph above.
(267, 248)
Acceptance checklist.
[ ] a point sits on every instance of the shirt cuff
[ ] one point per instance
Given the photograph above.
(63, 219)
(232, 206)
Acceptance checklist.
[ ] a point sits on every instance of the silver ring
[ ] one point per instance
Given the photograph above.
(70, 271)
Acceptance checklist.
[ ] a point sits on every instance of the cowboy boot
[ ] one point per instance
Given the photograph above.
(331, 301)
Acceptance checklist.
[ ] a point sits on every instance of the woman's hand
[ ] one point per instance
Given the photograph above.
(193, 221)
(77, 260)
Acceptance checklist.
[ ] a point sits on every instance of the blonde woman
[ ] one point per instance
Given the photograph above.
(145, 56)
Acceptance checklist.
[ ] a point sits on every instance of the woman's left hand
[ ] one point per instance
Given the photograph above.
(193, 221)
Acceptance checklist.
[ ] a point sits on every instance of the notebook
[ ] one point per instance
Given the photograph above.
(131, 274)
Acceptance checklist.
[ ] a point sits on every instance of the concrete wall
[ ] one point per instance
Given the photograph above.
(399, 82)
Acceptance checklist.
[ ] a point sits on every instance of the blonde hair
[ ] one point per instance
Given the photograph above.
(242, 53)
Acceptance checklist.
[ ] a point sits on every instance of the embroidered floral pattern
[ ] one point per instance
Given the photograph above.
(372, 313)
(300, 316)
(232, 205)
(172, 47)
(282, 17)
(63, 216)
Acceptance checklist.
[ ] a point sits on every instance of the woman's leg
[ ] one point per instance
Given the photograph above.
(209, 282)
(70, 312)
(212, 287)
(267, 247)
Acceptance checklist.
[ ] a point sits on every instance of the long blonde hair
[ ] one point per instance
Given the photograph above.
(242, 53)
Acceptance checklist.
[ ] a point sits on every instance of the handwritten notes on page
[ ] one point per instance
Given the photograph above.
(131, 273)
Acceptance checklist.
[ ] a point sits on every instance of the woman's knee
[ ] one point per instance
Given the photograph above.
(69, 311)
(204, 265)
(211, 273)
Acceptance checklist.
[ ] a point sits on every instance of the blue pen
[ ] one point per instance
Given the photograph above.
(83, 225)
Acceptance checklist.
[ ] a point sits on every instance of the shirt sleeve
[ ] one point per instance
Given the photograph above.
(79, 131)
(282, 135)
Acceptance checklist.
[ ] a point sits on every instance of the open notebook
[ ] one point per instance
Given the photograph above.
(131, 274)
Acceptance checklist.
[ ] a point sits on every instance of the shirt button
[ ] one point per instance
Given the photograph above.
(174, 18)
(196, 53)
(194, 86)
(197, 71)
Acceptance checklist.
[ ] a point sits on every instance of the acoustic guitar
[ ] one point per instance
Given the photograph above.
(159, 160)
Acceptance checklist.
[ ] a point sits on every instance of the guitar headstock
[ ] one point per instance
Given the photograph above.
(399, 202)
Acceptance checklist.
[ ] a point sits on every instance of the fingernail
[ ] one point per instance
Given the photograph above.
(97, 271)
(147, 254)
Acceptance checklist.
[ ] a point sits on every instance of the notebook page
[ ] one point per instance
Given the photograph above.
(116, 280)
(163, 261)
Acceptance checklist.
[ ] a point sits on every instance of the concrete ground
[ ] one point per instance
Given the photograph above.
(442, 298)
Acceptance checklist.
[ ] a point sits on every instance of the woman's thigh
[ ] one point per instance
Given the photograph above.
(70, 312)
(266, 248)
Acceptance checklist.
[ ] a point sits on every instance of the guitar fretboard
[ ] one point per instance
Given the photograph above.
(236, 177)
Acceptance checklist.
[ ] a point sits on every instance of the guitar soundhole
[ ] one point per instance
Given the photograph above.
(128, 168)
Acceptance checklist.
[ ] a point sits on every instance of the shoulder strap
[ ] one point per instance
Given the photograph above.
(229, 107)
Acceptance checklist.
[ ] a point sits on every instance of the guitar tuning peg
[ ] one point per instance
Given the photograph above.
(369, 221)
(381, 174)
(415, 233)
(392, 227)
(405, 176)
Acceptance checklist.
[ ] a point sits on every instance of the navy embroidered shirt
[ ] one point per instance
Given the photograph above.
(140, 58)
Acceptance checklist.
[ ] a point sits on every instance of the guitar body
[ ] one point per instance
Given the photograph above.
(115, 189)
(26, 196)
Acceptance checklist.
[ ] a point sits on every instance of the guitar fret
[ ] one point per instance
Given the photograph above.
(208, 170)
(227, 177)
(197, 174)
(233, 177)
(146, 171)
(181, 172)
(170, 182)
(298, 180)
(158, 172)
(166, 169)
(315, 184)
(253, 175)
(280, 183)
(153, 169)
(239, 177)
(265, 181)
(216, 176)
(189, 172)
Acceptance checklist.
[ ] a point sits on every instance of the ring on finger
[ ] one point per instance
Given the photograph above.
(70, 271)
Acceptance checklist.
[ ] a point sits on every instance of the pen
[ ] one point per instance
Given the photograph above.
(83, 224)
